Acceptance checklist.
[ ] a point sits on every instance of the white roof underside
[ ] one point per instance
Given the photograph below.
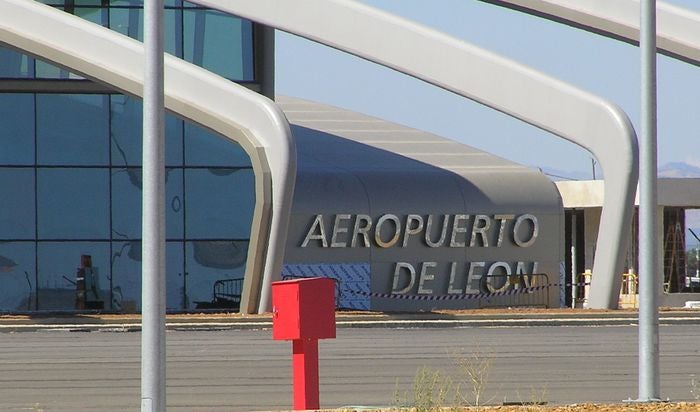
(333, 141)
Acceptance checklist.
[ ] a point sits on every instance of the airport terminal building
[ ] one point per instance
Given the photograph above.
(402, 219)
(380, 207)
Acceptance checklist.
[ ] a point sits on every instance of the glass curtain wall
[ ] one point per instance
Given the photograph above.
(70, 176)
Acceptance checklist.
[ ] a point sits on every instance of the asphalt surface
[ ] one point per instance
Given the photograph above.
(242, 369)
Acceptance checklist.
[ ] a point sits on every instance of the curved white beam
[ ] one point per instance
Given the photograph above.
(231, 110)
(514, 89)
(677, 31)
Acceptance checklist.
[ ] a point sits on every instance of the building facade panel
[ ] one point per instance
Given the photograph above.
(431, 232)
(71, 163)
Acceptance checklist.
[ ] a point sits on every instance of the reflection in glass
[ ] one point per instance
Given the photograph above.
(92, 14)
(14, 64)
(126, 131)
(17, 211)
(205, 148)
(73, 203)
(17, 136)
(126, 280)
(175, 277)
(208, 262)
(46, 70)
(167, 3)
(17, 276)
(129, 21)
(220, 43)
(127, 203)
(58, 263)
(72, 129)
(220, 203)
(126, 276)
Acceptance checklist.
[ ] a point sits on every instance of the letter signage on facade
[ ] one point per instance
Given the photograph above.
(385, 232)
(405, 235)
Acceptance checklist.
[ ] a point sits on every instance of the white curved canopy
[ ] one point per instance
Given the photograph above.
(231, 110)
(519, 91)
(677, 31)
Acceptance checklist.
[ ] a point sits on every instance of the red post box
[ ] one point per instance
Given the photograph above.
(303, 311)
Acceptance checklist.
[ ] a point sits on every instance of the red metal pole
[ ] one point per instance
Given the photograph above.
(305, 371)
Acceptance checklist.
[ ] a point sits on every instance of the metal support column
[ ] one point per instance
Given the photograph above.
(574, 270)
(153, 264)
(649, 386)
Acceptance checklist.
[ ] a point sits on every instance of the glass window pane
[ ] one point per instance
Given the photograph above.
(126, 276)
(17, 276)
(15, 65)
(175, 292)
(220, 203)
(58, 264)
(92, 14)
(129, 22)
(126, 280)
(209, 261)
(46, 70)
(126, 203)
(220, 43)
(168, 3)
(205, 148)
(174, 202)
(73, 203)
(72, 129)
(17, 136)
(127, 128)
(17, 211)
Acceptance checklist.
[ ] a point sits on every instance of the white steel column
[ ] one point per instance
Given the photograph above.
(649, 386)
(574, 270)
(153, 264)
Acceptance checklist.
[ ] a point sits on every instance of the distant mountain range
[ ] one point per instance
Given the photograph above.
(673, 169)
(679, 169)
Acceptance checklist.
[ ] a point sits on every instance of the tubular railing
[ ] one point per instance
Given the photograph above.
(519, 290)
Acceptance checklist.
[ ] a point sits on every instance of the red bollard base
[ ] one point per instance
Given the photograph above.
(305, 371)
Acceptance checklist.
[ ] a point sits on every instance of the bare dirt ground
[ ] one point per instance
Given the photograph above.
(583, 407)
(588, 407)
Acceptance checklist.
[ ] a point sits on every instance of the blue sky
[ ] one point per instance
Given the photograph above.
(600, 65)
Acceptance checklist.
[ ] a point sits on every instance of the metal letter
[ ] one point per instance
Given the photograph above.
(443, 233)
(397, 273)
(471, 277)
(535, 230)
(424, 275)
(337, 229)
(310, 235)
(412, 231)
(501, 228)
(450, 286)
(490, 276)
(361, 230)
(520, 269)
(481, 230)
(378, 231)
(456, 229)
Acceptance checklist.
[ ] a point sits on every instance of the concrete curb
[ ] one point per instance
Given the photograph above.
(117, 323)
